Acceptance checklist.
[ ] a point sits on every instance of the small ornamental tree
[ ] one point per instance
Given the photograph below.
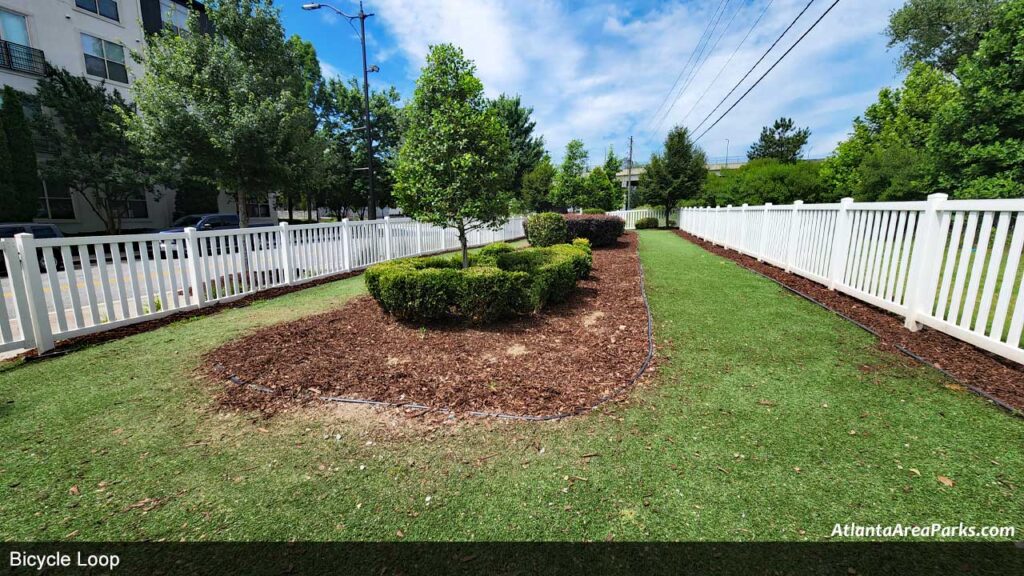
(453, 167)
(570, 187)
(20, 182)
(680, 173)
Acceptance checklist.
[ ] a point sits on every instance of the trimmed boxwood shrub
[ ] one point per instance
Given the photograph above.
(645, 223)
(600, 229)
(546, 229)
(593, 211)
(501, 282)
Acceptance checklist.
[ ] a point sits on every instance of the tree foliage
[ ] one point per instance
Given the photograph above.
(939, 32)
(679, 173)
(537, 185)
(766, 180)
(88, 149)
(453, 165)
(979, 135)
(19, 179)
(227, 108)
(782, 141)
(526, 148)
(889, 155)
(570, 188)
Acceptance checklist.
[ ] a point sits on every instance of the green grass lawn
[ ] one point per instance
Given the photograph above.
(768, 419)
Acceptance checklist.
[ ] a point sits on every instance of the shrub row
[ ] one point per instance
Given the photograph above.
(548, 228)
(501, 282)
(645, 223)
(600, 229)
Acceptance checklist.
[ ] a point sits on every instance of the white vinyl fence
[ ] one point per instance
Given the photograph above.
(60, 288)
(631, 216)
(952, 265)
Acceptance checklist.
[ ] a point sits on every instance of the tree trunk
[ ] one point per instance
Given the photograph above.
(291, 208)
(465, 247)
(241, 202)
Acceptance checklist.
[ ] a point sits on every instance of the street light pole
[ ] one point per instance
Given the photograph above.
(726, 153)
(371, 209)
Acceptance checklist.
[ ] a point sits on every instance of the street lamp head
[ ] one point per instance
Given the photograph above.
(373, 68)
(311, 6)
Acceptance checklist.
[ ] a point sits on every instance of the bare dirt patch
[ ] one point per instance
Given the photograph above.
(546, 364)
(986, 373)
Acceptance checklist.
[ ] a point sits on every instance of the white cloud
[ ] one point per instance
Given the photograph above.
(598, 70)
(330, 71)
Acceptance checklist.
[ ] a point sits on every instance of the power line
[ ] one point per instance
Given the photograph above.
(700, 41)
(754, 85)
(756, 64)
(697, 68)
(729, 61)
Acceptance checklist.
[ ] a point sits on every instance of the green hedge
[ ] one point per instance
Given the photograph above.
(501, 282)
(546, 229)
(645, 223)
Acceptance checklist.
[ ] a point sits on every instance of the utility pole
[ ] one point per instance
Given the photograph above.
(726, 153)
(629, 173)
(371, 208)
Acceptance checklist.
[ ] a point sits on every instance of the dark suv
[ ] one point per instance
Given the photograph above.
(37, 230)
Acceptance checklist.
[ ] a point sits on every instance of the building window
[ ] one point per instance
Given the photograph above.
(105, 8)
(134, 207)
(258, 209)
(104, 59)
(13, 28)
(174, 15)
(55, 203)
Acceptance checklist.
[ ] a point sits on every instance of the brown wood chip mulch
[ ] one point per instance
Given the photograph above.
(995, 377)
(565, 359)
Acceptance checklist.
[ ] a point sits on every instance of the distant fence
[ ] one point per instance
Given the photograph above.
(60, 288)
(631, 216)
(952, 265)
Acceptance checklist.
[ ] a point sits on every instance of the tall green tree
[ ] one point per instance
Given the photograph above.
(22, 187)
(979, 135)
(602, 192)
(526, 148)
(227, 107)
(612, 166)
(537, 185)
(889, 156)
(88, 148)
(570, 187)
(453, 163)
(678, 173)
(782, 141)
(346, 122)
(765, 180)
(940, 32)
(8, 206)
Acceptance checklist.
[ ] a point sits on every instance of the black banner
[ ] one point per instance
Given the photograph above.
(849, 559)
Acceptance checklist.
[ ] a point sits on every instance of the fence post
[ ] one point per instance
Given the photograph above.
(346, 243)
(764, 226)
(840, 244)
(926, 254)
(387, 238)
(16, 275)
(680, 222)
(39, 316)
(728, 226)
(286, 253)
(192, 261)
(794, 227)
(419, 237)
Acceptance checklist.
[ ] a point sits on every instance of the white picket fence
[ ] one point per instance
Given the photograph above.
(60, 288)
(631, 216)
(952, 265)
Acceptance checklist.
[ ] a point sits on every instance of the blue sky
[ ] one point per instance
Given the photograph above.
(599, 70)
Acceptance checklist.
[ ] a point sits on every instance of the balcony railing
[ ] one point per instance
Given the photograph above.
(21, 58)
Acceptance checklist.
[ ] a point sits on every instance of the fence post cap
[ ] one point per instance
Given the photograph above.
(745, 204)
(283, 224)
(190, 230)
(24, 235)
(938, 197)
(798, 203)
(846, 200)
(387, 217)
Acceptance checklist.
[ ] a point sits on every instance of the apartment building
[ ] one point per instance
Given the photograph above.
(93, 38)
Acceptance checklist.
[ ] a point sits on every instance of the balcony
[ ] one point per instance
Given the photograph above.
(21, 58)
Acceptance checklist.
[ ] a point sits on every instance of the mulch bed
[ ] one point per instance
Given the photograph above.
(565, 359)
(993, 376)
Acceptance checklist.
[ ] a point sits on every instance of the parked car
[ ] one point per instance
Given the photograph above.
(11, 230)
(202, 223)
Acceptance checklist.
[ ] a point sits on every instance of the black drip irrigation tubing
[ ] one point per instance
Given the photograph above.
(1013, 411)
(500, 415)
